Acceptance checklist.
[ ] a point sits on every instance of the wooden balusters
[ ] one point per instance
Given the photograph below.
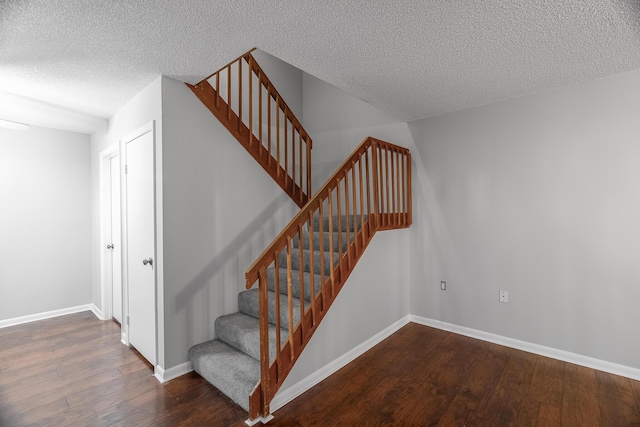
(387, 188)
(278, 139)
(307, 143)
(260, 136)
(229, 92)
(339, 216)
(369, 187)
(371, 191)
(236, 109)
(264, 339)
(293, 153)
(289, 296)
(346, 218)
(354, 218)
(240, 98)
(270, 156)
(301, 275)
(276, 269)
(286, 151)
(300, 164)
(251, 106)
(374, 184)
(393, 187)
(404, 190)
(312, 270)
(217, 90)
(409, 208)
(331, 250)
(322, 253)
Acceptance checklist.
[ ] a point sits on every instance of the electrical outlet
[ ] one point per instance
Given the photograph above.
(504, 296)
(443, 286)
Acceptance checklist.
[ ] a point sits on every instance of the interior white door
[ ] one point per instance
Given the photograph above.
(116, 240)
(141, 245)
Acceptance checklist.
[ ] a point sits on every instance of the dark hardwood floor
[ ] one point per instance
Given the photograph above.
(73, 370)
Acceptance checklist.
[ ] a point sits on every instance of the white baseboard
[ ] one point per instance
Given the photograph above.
(287, 395)
(174, 372)
(261, 420)
(49, 314)
(97, 312)
(565, 356)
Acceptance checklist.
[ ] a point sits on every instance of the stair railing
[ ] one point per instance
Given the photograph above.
(245, 101)
(371, 191)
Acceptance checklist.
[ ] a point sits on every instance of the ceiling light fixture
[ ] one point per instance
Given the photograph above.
(8, 124)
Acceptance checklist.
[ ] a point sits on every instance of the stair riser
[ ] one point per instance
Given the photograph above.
(339, 224)
(306, 243)
(295, 282)
(243, 333)
(233, 373)
(306, 261)
(249, 303)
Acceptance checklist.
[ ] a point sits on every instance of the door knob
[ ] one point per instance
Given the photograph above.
(110, 246)
(147, 261)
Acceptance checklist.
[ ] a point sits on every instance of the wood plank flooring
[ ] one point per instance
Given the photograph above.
(73, 370)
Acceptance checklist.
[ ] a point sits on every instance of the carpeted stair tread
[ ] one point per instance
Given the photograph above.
(231, 371)
(242, 331)
(339, 224)
(306, 241)
(295, 282)
(249, 303)
(306, 260)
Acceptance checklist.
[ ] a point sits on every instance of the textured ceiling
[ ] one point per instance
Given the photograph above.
(412, 59)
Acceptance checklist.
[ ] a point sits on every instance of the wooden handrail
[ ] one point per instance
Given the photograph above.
(236, 94)
(370, 191)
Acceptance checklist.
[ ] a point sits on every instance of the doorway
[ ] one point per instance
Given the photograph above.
(115, 244)
(128, 239)
(139, 242)
(111, 234)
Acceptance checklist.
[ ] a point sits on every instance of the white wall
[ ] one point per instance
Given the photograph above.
(338, 122)
(286, 78)
(539, 196)
(221, 209)
(45, 241)
(376, 295)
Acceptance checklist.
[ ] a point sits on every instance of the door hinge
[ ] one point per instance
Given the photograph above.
(127, 320)
(126, 169)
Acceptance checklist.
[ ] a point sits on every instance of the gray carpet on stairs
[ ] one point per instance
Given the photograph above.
(228, 369)
(231, 362)
(306, 241)
(339, 224)
(306, 259)
(248, 302)
(242, 331)
(295, 282)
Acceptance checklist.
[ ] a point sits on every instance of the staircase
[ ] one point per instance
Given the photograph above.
(301, 273)
(232, 361)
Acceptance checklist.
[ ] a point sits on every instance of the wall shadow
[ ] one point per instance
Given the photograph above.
(229, 254)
